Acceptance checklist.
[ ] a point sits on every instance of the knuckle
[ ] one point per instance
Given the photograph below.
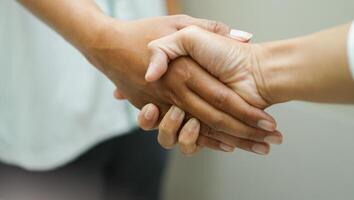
(221, 98)
(191, 29)
(214, 26)
(179, 69)
(244, 115)
(217, 123)
(174, 98)
(252, 134)
(205, 130)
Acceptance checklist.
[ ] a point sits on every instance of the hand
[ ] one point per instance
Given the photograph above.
(199, 94)
(118, 49)
(233, 63)
(191, 137)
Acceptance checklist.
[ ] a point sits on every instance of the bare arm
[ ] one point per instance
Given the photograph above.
(312, 68)
(119, 50)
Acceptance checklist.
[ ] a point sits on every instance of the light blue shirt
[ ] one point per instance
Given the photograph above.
(53, 104)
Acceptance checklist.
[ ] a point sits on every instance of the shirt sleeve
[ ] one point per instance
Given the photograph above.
(351, 49)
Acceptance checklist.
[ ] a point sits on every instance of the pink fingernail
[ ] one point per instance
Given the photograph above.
(238, 34)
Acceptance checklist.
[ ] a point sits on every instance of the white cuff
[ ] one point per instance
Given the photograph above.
(351, 49)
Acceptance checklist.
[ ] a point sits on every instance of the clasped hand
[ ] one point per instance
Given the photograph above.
(222, 111)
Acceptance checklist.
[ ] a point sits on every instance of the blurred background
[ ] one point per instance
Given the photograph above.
(316, 160)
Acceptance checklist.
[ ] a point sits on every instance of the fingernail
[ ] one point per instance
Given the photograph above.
(266, 125)
(238, 34)
(273, 139)
(149, 114)
(226, 148)
(176, 113)
(260, 149)
(193, 125)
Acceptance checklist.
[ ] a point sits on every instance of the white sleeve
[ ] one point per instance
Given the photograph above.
(351, 49)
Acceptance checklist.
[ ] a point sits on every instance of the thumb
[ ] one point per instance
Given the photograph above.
(194, 41)
(165, 49)
(162, 51)
(158, 63)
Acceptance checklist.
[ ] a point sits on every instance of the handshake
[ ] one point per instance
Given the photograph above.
(203, 85)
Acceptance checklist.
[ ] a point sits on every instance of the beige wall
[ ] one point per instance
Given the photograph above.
(316, 160)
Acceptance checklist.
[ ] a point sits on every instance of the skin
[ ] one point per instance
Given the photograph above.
(312, 68)
(173, 7)
(119, 49)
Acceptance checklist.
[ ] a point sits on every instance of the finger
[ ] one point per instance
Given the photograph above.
(189, 101)
(224, 99)
(223, 122)
(184, 21)
(219, 28)
(158, 64)
(162, 52)
(189, 41)
(148, 117)
(172, 46)
(205, 141)
(188, 137)
(169, 127)
(118, 94)
(228, 142)
(209, 25)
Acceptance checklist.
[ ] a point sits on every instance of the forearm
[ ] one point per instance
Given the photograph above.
(312, 68)
(77, 21)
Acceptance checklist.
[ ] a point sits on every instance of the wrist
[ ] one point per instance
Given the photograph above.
(277, 63)
(92, 32)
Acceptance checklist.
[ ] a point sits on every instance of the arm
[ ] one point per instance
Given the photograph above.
(313, 68)
(119, 50)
